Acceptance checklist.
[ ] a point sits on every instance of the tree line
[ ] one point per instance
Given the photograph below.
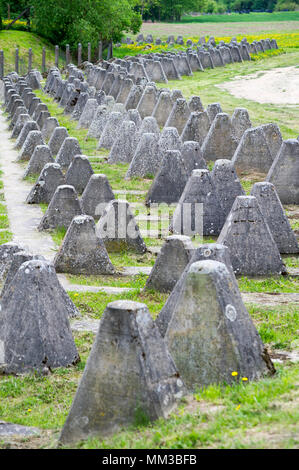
(90, 21)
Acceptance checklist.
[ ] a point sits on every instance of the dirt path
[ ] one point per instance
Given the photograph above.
(276, 86)
(23, 218)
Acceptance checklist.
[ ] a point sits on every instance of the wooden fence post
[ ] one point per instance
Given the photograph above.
(29, 59)
(17, 60)
(79, 53)
(56, 56)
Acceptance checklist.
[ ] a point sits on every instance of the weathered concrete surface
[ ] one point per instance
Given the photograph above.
(199, 210)
(170, 263)
(284, 172)
(129, 371)
(34, 325)
(252, 249)
(82, 251)
(211, 334)
(227, 184)
(276, 217)
(118, 228)
(253, 152)
(209, 251)
(49, 179)
(63, 207)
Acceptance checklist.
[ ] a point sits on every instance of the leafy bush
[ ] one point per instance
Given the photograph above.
(286, 5)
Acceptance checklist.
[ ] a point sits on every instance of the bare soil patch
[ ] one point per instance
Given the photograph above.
(276, 86)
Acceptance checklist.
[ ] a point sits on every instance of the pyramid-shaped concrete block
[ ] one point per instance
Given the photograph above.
(133, 97)
(276, 217)
(219, 142)
(199, 210)
(34, 326)
(149, 126)
(227, 184)
(118, 228)
(169, 140)
(57, 138)
(21, 121)
(79, 173)
(240, 122)
(212, 110)
(48, 128)
(197, 127)
(33, 139)
(273, 137)
(97, 194)
(7, 250)
(146, 159)
(195, 104)
(147, 102)
(192, 157)
(49, 179)
(208, 251)
(133, 115)
(210, 334)
(110, 131)
(98, 122)
(82, 251)
(163, 108)
(67, 152)
(252, 248)
(63, 207)
(129, 372)
(28, 127)
(179, 115)
(169, 181)
(88, 113)
(40, 157)
(253, 152)
(284, 172)
(17, 259)
(124, 146)
(173, 258)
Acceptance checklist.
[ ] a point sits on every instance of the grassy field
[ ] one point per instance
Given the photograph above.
(260, 414)
(251, 17)
(224, 25)
(10, 40)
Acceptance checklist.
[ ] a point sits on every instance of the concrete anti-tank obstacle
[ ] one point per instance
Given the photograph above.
(49, 179)
(210, 334)
(34, 327)
(79, 173)
(276, 217)
(118, 229)
(209, 251)
(82, 251)
(129, 372)
(173, 258)
(252, 249)
(63, 207)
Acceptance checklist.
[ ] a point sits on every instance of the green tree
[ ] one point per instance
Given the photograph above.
(73, 21)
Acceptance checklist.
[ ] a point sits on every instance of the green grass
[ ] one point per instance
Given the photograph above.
(4, 222)
(134, 282)
(246, 416)
(271, 284)
(9, 40)
(243, 18)
(277, 326)
(5, 237)
(93, 304)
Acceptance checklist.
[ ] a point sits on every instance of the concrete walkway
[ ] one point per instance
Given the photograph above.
(23, 218)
